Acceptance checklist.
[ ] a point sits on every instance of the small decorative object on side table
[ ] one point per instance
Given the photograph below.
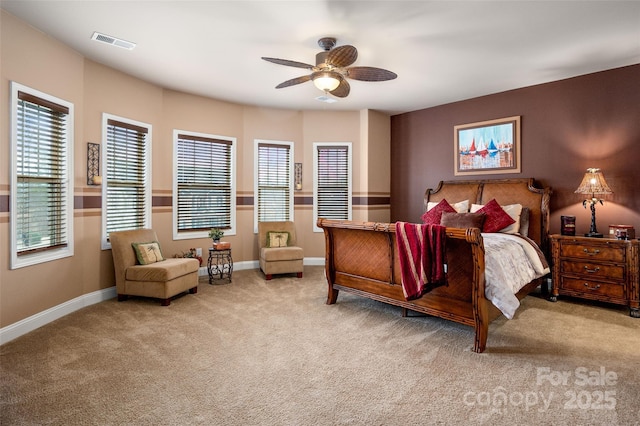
(220, 264)
(215, 234)
(606, 270)
(622, 232)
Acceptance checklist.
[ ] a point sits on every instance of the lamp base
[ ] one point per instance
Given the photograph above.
(594, 235)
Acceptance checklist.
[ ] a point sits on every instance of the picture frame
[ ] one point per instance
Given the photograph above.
(487, 147)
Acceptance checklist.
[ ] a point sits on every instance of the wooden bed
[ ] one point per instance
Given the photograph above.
(361, 257)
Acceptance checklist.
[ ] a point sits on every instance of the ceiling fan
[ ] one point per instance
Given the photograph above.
(332, 69)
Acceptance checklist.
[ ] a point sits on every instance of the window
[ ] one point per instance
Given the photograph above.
(204, 185)
(332, 182)
(273, 188)
(41, 177)
(126, 184)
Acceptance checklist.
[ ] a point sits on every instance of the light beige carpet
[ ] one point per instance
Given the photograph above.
(273, 353)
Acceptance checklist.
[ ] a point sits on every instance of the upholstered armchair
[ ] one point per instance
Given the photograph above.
(278, 251)
(142, 270)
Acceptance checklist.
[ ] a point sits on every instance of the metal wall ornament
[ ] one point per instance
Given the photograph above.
(93, 164)
(298, 176)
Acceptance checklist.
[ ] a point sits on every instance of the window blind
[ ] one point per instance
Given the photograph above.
(332, 195)
(42, 188)
(274, 182)
(204, 183)
(126, 174)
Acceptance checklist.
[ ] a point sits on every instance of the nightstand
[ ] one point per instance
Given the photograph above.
(600, 269)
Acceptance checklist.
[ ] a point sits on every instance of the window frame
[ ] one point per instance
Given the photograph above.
(349, 147)
(185, 235)
(256, 183)
(147, 203)
(49, 254)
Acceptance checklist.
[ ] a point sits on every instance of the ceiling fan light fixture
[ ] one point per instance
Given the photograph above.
(332, 69)
(326, 81)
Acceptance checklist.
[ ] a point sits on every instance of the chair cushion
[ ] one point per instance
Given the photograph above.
(277, 239)
(165, 270)
(274, 254)
(147, 253)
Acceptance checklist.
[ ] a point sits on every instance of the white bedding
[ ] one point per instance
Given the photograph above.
(510, 263)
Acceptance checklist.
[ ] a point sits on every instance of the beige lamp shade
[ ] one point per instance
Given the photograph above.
(593, 183)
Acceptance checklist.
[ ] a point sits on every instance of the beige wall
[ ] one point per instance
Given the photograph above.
(31, 58)
(55, 69)
(375, 169)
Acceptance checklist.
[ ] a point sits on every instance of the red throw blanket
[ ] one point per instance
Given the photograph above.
(422, 255)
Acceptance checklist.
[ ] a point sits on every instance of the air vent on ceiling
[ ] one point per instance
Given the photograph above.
(113, 41)
(326, 99)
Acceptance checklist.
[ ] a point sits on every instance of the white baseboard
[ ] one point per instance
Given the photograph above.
(26, 325)
(33, 322)
(314, 261)
(254, 264)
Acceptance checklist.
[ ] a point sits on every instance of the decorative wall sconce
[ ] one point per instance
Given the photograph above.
(298, 176)
(93, 164)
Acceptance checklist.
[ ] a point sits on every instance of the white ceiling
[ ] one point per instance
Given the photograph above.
(442, 51)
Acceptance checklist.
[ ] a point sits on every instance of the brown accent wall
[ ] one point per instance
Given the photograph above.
(567, 126)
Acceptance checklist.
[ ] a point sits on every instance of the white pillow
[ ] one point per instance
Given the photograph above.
(513, 210)
(459, 207)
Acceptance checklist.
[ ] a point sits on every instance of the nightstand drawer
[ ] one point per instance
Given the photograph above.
(593, 287)
(593, 270)
(595, 252)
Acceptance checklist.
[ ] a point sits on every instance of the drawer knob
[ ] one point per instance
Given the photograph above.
(592, 271)
(591, 253)
(597, 286)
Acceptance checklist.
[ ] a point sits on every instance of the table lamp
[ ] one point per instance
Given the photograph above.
(593, 184)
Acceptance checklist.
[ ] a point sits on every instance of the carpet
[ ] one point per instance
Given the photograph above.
(257, 352)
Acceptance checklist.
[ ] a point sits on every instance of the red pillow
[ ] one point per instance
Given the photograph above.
(496, 218)
(433, 216)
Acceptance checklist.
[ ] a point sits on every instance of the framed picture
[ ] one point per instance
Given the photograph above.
(487, 147)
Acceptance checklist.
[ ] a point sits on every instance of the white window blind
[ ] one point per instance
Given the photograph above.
(204, 183)
(42, 192)
(333, 182)
(274, 182)
(127, 195)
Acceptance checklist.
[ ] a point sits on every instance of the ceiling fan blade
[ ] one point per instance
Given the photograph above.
(342, 91)
(288, 63)
(342, 56)
(370, 74)
(294, 81)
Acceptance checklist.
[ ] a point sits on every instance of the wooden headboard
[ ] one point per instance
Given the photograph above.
(505, 191)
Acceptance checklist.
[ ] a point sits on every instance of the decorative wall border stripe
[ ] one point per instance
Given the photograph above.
(86, 201)
(161, 201)
(244, 200)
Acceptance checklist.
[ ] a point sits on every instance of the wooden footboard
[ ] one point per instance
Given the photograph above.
(361, 258)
